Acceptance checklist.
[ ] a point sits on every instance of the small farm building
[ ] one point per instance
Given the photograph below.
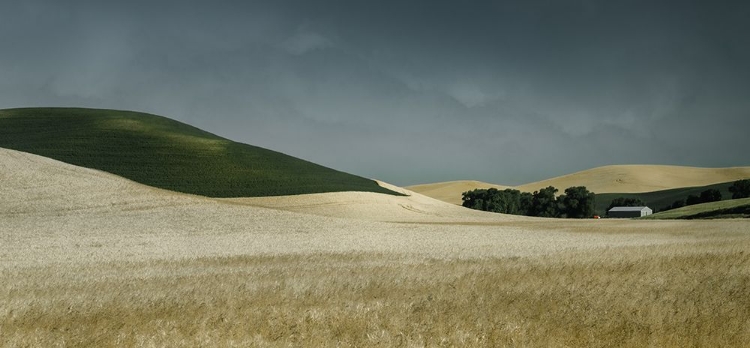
(629, 212)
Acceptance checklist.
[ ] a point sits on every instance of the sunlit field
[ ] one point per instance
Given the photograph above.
(676, 295)
(236, 174)
(91, 259)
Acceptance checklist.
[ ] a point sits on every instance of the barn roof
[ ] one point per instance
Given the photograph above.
(629, 208)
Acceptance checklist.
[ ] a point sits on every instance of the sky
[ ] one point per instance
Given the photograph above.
(408, 92)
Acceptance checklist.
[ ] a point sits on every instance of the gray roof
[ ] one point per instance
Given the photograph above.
(628, 208)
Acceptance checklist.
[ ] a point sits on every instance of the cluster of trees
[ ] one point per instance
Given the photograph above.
(576, 202)
(710, 195)
(707, 196)
(740, 189)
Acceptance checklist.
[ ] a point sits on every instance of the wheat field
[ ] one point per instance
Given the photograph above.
(88, 259)
(678, 296)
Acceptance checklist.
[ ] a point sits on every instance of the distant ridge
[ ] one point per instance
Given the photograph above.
(607, 179)
(168, 154)
(641, 178)
(450, 191)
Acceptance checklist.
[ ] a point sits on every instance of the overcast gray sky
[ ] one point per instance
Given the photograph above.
(407, 91)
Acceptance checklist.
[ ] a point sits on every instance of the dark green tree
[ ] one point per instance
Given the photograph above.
(509, 202)
(577, 202)
(740, 189)
(474, 199)
(491, 201)
(526, 205)
(710, 195)
(494, 200)
(692, 200)
(544, 203)
(676, 204)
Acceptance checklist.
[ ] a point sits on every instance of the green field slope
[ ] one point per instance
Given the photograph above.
(733, 208)
(164, 153)
(657, 200)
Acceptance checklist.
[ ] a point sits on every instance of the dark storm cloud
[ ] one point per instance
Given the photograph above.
(407, 91)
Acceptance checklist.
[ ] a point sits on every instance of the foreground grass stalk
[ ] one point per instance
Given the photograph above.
(697, 295)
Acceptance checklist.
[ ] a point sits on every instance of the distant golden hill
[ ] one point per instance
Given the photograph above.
(641, 178)
(450, 191)
(607, 179)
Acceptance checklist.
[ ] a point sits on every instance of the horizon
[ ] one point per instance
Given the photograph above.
(418, 184)
(505, 93)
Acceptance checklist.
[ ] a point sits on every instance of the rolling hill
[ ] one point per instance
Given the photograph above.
(734, 208)
(658, 200)
(88, 258)
(609, 179)
(33, 185)
(641, 178)
(412, 207)
(451, 191)
(167, 154)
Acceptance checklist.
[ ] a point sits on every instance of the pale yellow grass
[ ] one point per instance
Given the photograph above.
(90, 259)
(450, 191)
(641, 178)
(414, 207)
(607, 179)
(676, 296)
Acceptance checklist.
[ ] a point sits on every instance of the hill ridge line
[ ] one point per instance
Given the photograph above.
(620, 178)
(161, 152)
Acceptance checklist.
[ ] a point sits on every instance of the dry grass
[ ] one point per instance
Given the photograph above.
(88, 259)
(641, 178)
(450, 191)
(607, 179)
(678, 296)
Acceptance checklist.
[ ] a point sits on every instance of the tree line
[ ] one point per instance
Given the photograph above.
(739, 189)
(576, 202)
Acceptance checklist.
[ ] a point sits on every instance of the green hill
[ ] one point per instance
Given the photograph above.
(733, 208)
(164, 153)
(657, 200)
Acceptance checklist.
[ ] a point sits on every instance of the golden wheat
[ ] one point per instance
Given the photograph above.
(679, 295)
(87, 259)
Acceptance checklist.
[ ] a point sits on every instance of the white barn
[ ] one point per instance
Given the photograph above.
(629, 212)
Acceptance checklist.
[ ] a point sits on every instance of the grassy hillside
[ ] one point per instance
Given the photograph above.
(733, 208)
(660, 199)
(164, 153)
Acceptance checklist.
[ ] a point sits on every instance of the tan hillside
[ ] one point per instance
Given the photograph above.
(59, 208)
(91, 259)
(641, 178)
(375, 207)
(39, 185)
(35, 185)
(450, 191)
(608, 179)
